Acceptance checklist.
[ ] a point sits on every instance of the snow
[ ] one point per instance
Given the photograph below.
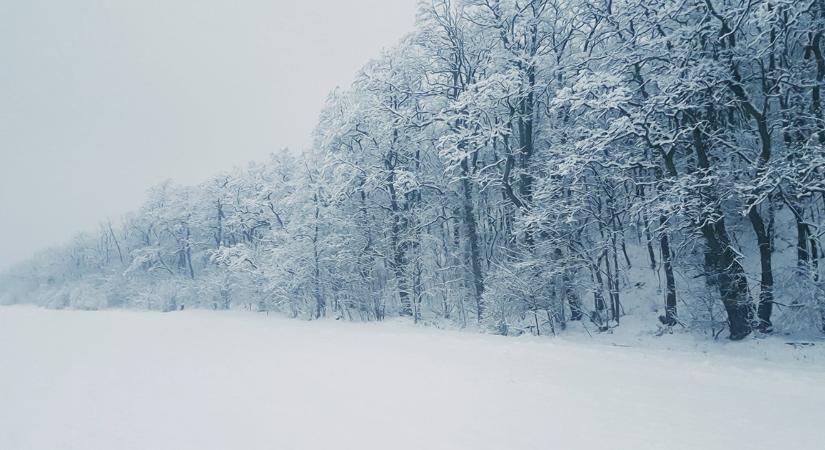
(233, 380)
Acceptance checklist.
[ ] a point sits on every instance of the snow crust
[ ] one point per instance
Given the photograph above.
(231, 380)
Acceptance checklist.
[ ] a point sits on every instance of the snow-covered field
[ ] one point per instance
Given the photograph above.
(206, 380)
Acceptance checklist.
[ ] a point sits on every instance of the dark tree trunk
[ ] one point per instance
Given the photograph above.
(320, 303)
(651, 254)
(802, 255)
(599, 305)
(670, 317)
(472, 237)
(671, 314)
(573, 301)
(398, 265)
(766, 284)
(398, 259)
(727, 272)
(729, 277)
(188, 254)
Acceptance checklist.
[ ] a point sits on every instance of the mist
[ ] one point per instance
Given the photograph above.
(100, 100)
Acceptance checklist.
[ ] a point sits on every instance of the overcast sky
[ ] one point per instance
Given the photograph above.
(100, 99)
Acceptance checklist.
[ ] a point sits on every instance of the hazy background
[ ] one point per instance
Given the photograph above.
(100, 99)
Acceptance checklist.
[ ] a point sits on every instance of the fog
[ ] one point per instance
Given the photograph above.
(99, 100)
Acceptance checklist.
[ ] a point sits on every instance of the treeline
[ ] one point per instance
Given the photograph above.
(517, 165)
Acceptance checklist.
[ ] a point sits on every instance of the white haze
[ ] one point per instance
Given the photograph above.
(99, 99)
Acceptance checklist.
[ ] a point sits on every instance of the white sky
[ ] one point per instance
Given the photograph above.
(100, 99)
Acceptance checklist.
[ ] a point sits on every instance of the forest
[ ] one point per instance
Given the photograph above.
(513, 166)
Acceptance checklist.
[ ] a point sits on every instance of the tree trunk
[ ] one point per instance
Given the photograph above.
(472, 237)
(728, 274)
(320, 303)
(670, 317)
(766, 284)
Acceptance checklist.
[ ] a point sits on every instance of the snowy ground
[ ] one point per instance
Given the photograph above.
(205, 380)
